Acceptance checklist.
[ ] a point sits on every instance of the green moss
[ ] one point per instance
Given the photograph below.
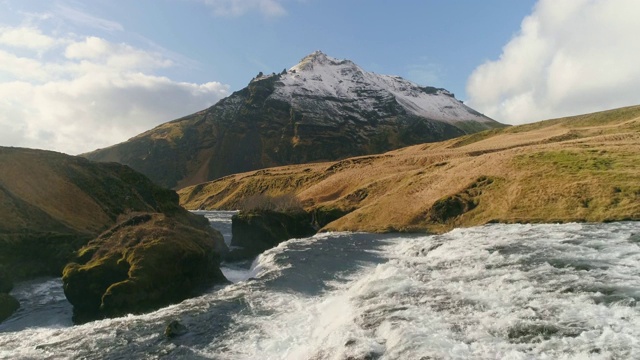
(84, 285)
(453, 206)
(145, 262)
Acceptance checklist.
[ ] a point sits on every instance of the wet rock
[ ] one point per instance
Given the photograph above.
(175, 329)
(350, 342)
(536, 332)
(5, 282)
(8, 305)
(260, 230)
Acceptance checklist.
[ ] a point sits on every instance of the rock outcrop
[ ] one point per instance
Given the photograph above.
(51, 205)
(259, 230)
(175, 329)
(144, 262)
(8, 304)
(321, 109)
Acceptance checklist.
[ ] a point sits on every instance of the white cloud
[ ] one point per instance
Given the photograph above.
(89, 94)
(569, 57)
(116, 56)
(269, 8)
(25, 37)
(21, 68)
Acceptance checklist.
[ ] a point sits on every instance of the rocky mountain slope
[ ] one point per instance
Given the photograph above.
(52, 205)
(582, 168)
(321, 109)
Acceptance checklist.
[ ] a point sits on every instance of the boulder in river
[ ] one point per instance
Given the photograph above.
(175, 329)
(144, 262)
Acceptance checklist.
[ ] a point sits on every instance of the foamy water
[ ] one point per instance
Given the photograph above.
(493, 292)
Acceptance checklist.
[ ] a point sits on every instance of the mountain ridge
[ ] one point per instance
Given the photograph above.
(320, 109)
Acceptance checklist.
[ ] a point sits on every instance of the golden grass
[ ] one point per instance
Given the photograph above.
(582, 168)
(37, 179)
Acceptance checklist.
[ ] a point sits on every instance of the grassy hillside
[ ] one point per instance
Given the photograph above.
(581, 168)
(51, 204)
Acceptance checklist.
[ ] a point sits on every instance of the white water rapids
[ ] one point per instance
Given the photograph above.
(493, 292)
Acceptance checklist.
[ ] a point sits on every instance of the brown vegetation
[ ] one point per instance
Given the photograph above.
(582, 168)
(278, 203)
(51, 205)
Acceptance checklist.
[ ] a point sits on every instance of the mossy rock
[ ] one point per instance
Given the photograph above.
(324, 215)
(8, 305)
(144, 262)
(451, 207)
(175, 329)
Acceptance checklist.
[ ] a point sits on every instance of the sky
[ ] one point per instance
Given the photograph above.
(80, 75)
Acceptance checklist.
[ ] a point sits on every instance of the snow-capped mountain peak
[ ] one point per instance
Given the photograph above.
(321, 109)
(318, 58)
(319, 76)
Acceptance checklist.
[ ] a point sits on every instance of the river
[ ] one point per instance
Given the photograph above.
(548, 291)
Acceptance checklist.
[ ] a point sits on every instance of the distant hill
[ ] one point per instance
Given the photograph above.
(321, 109)
(51, 204)
(581, 168)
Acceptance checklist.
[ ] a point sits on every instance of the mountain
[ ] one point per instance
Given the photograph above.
(321, 109)
(582, 168)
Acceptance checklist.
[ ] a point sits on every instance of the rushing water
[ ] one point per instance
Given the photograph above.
(493, 292)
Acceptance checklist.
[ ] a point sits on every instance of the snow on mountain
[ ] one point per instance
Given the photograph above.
(321, 76)
(322, 109)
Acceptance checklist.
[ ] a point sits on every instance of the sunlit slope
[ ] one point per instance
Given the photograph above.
(581, 168)
(51, 204)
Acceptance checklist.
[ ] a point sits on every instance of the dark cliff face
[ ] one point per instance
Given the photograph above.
(320, 110)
